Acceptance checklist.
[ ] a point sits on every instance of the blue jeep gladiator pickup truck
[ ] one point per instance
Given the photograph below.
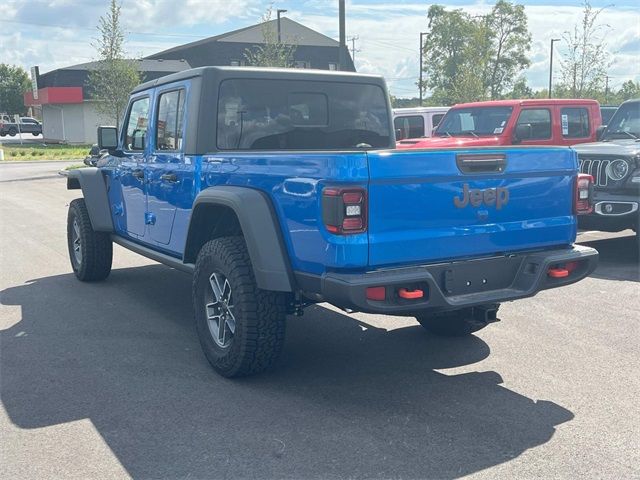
(277, 189)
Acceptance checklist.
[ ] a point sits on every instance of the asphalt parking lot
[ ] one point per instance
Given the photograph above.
(107, 380)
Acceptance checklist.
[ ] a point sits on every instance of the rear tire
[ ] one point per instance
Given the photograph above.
(13, 132)
(35, 134)
(90, 252)
(457, 323)
(241, 328)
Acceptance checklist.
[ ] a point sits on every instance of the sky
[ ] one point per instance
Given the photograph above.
(59, 33)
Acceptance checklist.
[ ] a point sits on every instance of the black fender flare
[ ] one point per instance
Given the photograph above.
(261, 230)
(94, 189)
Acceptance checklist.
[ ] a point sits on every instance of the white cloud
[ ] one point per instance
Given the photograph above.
(388, 32)
(389, 38)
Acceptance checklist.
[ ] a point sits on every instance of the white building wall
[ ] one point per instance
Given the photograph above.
(92, 120)
(71, 123)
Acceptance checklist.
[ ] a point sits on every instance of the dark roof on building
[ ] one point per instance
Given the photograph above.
(313, 48)
(78, 75)
(291, 32)
(144, 65)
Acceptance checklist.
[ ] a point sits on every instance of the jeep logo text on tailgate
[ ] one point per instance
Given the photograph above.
(476, 197)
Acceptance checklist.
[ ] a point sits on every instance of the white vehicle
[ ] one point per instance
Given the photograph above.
(416, 122)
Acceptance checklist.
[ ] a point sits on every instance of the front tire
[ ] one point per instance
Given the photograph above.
(90, 252)
(458, 323)
(241, 328)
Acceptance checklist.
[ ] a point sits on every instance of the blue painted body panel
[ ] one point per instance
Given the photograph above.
(294, 182)
(411, 215)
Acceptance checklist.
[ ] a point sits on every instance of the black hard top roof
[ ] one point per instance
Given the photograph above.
(221, 73)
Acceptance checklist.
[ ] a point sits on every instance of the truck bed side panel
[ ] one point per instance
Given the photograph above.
(294, 182)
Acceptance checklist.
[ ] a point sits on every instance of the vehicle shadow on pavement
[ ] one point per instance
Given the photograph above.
(346, 400)
(618, 258)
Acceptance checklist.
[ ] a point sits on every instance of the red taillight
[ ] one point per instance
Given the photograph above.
(344, 210)
(583, 194)
(376, 293)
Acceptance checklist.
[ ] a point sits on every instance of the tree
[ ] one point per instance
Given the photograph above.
(520, 89)
(510, 43)
(14, 81)
(115, 76)
(272, 53)
(629, 90)
(470, 58)
(585, 61)
(446, 52)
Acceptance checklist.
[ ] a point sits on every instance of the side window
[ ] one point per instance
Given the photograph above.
(540, 121)
(170, 120)
(411, 127)
(575, 122)
(436, 119)
(137, 124)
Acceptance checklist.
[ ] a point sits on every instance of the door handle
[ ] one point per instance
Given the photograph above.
(139, 174)
(169, 177)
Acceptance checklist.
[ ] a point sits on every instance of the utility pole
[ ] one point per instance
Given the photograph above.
(422, 34)
(551, 64)
(606, 88)
(343, 43)
(353, 47)
(279, 11)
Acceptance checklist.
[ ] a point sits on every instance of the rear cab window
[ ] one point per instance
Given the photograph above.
(170, 120)
(256, 114)
(409, 126)
(436, 119)
(137, 124)
(575, 122)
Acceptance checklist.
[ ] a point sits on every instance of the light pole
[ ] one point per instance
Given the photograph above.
(279, 11)
(551, 64)
(422, 34)
(342, 60)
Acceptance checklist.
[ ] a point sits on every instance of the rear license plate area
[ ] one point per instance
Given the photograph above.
(478, 275)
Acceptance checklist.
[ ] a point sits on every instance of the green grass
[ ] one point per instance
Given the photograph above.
(39, 151)
(75, 166)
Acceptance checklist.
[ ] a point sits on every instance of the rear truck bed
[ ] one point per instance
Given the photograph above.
(451, 229)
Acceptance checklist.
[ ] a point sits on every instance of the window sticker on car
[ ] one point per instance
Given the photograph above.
(565, 124)
(498, 130)
(503, 122)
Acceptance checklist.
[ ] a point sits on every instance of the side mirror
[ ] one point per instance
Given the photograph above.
(107, 138)
(399, 135)
(522, 132)
(600, 132)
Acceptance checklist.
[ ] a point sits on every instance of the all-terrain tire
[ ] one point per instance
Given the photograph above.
(96, 249)
(453, 324)
(259, 315)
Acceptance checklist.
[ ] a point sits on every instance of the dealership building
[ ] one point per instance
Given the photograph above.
(69, 113)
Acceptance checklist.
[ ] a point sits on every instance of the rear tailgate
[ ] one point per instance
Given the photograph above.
(508, 199)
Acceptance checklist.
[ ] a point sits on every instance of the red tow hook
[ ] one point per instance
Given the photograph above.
(410, 294)
(558, 272)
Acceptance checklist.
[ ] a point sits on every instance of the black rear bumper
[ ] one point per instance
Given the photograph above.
(452, 285)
